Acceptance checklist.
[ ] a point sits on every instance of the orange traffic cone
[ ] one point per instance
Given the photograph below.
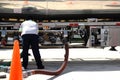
(26, 2)
(69, 2)
(114, 3)
(16, 66)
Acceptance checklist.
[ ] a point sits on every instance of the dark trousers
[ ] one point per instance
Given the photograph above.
(31, 40)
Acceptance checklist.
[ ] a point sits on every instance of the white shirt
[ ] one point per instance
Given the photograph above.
(29, 27)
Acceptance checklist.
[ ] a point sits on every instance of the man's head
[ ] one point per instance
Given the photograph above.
(29, 17)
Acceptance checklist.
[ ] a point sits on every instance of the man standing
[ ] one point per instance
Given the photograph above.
(29, 32)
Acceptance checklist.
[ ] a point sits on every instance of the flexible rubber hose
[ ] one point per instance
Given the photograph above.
(58, 71)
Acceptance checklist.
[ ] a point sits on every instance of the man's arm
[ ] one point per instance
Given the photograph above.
(20, 29)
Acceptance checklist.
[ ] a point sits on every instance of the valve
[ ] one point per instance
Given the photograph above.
(41, 39)
(64, 40)
(52, 39)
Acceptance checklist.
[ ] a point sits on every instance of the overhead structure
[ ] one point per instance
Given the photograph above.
(60, 9)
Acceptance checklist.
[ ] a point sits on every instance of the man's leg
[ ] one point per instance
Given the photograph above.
(25, 46)
(36, 53)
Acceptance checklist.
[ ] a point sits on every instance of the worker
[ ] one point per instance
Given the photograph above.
(29, 32)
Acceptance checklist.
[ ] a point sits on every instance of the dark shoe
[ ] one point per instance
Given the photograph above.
(25, 67)
(41, 67)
